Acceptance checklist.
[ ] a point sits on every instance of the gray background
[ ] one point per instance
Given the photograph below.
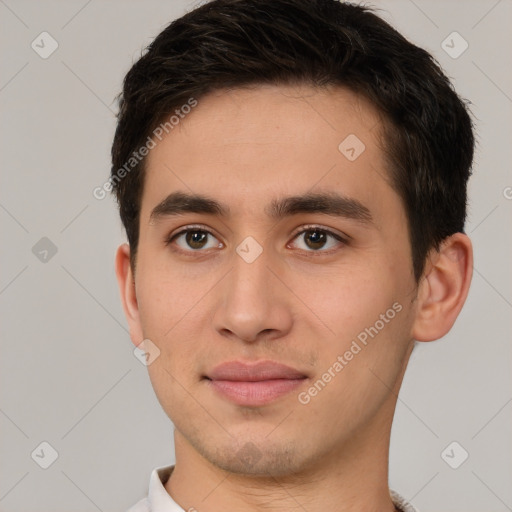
(68, 372)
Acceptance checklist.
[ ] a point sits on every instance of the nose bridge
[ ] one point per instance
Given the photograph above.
(250, 303)
(249, 280)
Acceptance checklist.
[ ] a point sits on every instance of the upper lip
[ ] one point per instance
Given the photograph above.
(253, 372)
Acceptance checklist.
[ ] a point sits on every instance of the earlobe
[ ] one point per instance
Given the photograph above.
(126, 283)
(444, 288)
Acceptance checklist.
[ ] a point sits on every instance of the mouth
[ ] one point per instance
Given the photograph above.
(254, 384)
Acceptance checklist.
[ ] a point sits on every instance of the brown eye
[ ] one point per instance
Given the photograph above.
(316, 239)
(193, 239)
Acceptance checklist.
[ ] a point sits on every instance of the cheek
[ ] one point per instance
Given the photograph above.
(347, 299)
(164, 297)
(155, 306)
(171, 308)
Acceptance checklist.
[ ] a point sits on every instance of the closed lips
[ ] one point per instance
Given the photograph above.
(253, 372)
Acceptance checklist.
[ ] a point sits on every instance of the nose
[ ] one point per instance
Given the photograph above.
(252, 302)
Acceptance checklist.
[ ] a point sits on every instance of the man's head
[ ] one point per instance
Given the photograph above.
(318, 162)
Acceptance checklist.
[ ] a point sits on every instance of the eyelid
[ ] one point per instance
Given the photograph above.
(309, 227)
(189, 227)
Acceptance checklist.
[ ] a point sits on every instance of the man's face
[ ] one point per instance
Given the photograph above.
(307, 300)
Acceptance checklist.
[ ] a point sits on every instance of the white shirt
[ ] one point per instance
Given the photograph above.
(158, 500)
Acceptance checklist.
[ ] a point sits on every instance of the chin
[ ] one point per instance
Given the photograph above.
(255, 458)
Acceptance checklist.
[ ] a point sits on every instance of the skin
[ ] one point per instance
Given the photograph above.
(294, 304)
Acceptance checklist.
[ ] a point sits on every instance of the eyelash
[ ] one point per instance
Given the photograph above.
(169, 240)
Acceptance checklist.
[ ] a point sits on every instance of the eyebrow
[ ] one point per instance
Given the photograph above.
(328, 203)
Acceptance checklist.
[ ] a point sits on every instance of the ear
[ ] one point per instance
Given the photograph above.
(126, 282)
(443, 288)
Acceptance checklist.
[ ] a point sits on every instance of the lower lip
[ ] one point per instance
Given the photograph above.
(255, 393)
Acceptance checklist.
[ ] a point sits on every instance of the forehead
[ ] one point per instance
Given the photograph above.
(250, 146)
